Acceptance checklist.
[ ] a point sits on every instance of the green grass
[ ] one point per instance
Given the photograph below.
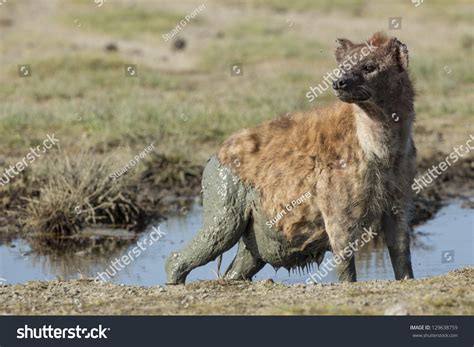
(122, 21)
(205, 106)
(114, 108)
(444, 84)
(353, 6)
(255, 40)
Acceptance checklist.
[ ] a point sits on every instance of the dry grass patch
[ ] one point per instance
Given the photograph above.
(73, 191)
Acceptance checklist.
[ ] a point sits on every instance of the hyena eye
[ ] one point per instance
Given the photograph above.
(368, 68)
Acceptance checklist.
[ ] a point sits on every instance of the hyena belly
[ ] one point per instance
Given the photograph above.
(264, 242)
(276, 249)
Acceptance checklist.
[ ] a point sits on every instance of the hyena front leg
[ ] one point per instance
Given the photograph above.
(225, 217)
(245, 265)
(397, 237)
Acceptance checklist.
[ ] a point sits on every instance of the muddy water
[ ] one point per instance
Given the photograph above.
(442, 244)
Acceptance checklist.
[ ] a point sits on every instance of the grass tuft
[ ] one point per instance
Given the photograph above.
(75, 191)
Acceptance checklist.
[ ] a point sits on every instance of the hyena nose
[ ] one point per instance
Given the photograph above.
(341, 83)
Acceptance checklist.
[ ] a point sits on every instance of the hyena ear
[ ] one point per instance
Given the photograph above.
(400, 53)
(343, 46)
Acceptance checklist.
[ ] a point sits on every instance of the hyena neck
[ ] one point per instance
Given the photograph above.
(384, 130)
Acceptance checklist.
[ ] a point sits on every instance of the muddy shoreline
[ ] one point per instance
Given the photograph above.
(449, 294)
(456, 183)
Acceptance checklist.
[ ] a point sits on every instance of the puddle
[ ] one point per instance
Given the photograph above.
(442, 244)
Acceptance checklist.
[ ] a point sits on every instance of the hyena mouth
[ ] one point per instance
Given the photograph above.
(358, 95)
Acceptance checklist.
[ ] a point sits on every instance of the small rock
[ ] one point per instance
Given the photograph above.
(111, 47)
(179, 44)
(6, 22)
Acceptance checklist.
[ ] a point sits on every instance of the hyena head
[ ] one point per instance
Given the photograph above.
(373, 71)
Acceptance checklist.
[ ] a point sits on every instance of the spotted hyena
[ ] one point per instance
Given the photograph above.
(348, 166)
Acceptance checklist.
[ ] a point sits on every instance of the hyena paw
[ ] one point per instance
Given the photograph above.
(174, 270)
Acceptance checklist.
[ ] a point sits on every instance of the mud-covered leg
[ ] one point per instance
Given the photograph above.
(397, 237)
(245, 265)
(225, 216)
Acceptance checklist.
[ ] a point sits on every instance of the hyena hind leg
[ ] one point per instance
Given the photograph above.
(225, 218)
(245, 265)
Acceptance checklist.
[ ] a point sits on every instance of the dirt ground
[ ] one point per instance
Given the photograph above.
(450, 294)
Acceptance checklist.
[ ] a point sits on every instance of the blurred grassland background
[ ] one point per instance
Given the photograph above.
(185, 100)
